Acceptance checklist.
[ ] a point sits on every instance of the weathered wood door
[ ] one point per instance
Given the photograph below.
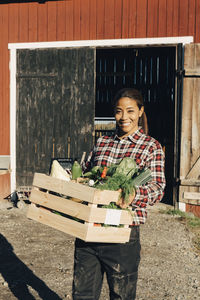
(55, 107)
(189, 191)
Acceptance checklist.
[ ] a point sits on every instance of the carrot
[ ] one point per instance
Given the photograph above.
(103, 174)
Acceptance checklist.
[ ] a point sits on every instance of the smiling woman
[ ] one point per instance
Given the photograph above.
(93, 259)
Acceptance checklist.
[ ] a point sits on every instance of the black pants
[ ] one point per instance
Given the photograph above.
(119, 261)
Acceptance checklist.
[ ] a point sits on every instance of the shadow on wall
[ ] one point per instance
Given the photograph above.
(19, 277)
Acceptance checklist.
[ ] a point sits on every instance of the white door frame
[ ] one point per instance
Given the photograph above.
(13, 47)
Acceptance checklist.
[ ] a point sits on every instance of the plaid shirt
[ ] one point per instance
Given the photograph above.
(147, 152)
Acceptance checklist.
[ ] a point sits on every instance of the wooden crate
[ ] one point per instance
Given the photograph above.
(50, 199)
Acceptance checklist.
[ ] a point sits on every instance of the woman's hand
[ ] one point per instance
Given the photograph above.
(121, 203)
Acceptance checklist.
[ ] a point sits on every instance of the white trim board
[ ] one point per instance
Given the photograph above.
(13, 47)
(105, 43)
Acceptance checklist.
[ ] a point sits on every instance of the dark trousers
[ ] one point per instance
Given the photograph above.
(119, 261)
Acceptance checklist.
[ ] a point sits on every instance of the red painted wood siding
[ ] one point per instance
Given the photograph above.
(87, 19)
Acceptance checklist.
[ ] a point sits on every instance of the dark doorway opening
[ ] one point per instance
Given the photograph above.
(152, 70)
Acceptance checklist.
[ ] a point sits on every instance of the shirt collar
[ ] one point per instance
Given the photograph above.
(131, 137)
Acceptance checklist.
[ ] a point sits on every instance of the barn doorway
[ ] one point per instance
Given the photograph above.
(152, 70)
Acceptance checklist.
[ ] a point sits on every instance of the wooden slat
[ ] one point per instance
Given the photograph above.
(162, 18)
(152, 20)
(42, 22)
(190, 182)
(191, 19)
(170, 17)
(69, 21)
(5, 117)
(23, 22)
(77, 19)
(14, 25)
(58, 222)
(192, 195)
(132, 18)
(141, 28)
(109, 19)
(61, 21)
(76, 190)
(32, 22)
(175, 18)
(183, 17)
(100, 19)
(108, 234)
(85, 20)
(197, 22)
(192, 59)
(118, 19)
(125, 19)
(76, 229)
(93, 19)
(74, 209)
(51, 20)
(186, 128)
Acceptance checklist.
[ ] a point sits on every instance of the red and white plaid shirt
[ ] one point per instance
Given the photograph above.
(147, 152)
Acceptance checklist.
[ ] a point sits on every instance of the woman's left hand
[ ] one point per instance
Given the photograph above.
(121, 203)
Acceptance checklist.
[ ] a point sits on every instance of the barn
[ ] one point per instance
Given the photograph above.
(62, 61)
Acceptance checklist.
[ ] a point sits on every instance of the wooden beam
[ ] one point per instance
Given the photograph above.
(191, 195)
(190, 182)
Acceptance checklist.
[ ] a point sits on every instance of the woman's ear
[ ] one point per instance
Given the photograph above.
(141, 111)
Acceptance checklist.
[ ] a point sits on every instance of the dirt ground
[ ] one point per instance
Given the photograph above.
(36, 261)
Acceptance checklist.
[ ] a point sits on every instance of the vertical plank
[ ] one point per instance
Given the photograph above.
(32, 22)
(125, 14)
(109, 19)
(197, 22)
(118, 19)
(141, 25)
(93, 19)
(132, 19)
(1, 83)
(51, 21)
(186, 133)
(61, 21)
(5, 81)
(77, 19)
(195, 123)
(175, 18)
(14, 25)
(69, 21)
(100, 19)
(170, 17)
(23, 22)
(42, 22)
(85, 20)
(183, 19)
(191, 18)
(162, 18)
(152, 18)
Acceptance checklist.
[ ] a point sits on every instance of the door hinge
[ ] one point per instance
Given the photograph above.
(180, 73)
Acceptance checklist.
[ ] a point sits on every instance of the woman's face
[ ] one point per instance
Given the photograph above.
(127, 115)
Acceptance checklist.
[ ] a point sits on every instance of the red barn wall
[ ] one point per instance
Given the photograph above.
(87, 20)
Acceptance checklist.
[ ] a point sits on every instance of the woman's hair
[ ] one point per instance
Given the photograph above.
(137, 96)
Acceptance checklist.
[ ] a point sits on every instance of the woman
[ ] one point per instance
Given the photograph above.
(120, 261)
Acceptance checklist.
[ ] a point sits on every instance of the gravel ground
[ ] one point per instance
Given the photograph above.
(36, 261)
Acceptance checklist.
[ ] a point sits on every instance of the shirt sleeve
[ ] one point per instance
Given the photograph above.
(153, 191)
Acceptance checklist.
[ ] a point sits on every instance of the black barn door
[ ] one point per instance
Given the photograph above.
(55, 108)
(152, 70)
